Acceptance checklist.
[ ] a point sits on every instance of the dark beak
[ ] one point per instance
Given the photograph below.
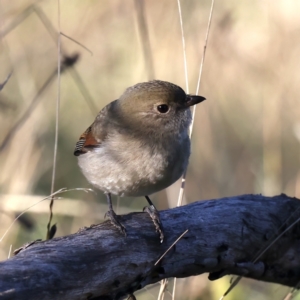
(192, 100)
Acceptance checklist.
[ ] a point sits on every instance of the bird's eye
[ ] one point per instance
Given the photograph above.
(163, 108)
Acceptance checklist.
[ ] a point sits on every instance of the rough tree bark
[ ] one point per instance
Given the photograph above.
(224, 237)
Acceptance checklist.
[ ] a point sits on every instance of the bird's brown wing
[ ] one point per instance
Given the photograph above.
(97, 132)
(86, 142)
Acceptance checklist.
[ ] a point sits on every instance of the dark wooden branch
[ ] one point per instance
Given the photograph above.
(224, 237)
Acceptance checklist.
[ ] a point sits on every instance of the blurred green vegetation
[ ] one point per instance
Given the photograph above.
(246, 136)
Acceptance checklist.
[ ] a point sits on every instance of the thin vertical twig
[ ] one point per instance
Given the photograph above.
(174, 288)
(202, 61)
(183, 48)
(56, 118)
(9, 252)
(180, 197)
(144, 36)
(181, 191)
(163, 287)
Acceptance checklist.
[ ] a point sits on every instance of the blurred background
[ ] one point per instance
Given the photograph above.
(246, 135)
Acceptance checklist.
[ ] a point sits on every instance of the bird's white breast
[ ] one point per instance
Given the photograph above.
(126, 167)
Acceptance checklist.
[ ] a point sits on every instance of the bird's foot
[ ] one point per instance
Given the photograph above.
(154, 214)
(114, 221)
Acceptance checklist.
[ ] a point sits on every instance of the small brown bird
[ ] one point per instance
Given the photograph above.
(138, 144)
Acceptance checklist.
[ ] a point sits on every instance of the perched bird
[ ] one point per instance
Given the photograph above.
(138, 144)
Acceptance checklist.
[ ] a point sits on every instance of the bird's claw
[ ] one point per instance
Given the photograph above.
(154, 214)
(115, 222)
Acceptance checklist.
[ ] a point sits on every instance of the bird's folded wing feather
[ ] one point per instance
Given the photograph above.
(86, 142)
(95, 134)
